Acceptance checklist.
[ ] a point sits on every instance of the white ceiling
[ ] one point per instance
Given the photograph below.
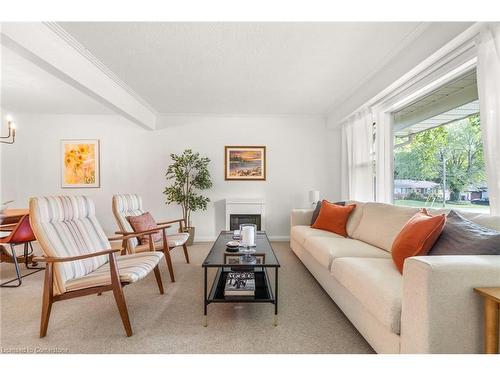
(26, 88)
(243, 68)
(232, 68)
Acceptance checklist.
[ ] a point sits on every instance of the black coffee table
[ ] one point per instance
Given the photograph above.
(226, 261)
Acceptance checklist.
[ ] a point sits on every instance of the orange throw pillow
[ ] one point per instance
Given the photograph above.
(417, 237)
(333, 218)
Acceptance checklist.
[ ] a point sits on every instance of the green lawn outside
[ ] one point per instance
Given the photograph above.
(469, 207)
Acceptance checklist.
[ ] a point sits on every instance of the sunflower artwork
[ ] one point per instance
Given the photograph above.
(80, 163)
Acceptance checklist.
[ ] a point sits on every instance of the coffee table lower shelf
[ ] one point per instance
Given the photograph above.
(263, 290)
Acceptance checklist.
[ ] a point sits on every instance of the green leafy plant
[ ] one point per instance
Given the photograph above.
(188, 173)
(454, 150)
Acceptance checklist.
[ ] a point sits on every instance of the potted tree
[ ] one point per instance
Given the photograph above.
(188, 174)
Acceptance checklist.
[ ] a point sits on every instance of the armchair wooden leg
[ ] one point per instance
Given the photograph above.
(124, 247)
(169, 265)
(158, 279)
(118, 293)
(46, 300)
(166, 251)
(186, 255)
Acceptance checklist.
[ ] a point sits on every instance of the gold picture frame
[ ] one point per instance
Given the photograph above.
(80, 167)
(245, 163)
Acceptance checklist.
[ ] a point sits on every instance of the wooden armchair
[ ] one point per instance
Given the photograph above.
(79, 257)
(125, 205)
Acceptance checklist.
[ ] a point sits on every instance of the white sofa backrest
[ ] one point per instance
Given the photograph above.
(485, 220)
(380, 223)
(354, 217)
(488, 221)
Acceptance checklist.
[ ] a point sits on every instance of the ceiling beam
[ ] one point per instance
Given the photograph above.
(56, 52)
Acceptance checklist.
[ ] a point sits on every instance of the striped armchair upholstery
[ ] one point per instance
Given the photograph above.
(131, 205)
(79, 257)
(127, 205)
(66, 226)
(131, 268)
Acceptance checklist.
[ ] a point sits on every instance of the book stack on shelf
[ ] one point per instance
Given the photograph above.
(240, 284)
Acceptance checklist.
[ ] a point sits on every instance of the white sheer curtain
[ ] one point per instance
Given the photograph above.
(384, 157)
(357, 140)
(488, 74)
(344, 167)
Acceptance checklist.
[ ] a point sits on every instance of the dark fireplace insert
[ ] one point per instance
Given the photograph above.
(236, 220)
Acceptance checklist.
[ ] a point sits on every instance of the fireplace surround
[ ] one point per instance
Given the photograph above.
(245, 211)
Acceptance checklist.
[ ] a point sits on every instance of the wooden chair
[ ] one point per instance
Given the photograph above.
(131, 205)
(79, 258)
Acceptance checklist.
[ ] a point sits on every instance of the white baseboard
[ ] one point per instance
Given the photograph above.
(279, 238)
(204, 239)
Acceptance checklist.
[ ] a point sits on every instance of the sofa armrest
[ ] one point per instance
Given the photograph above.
(301, 216)
(440, 311)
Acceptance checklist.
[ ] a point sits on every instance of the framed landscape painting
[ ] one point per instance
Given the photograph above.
(245, 163)
(80, 163)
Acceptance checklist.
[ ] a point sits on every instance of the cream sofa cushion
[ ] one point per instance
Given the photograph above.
(376, 284)
(380, 223)
(319, 250)
(326, 249)
(300, 232)
(354, 217)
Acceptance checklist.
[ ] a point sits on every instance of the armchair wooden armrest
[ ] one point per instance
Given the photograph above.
(73, 258)
(180, 221)
(171, 221)
(127, 235)
(124, 235)
(115, 238)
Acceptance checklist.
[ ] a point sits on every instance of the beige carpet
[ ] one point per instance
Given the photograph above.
(309, 321)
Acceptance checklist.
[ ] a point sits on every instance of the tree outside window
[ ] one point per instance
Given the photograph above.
(442, 166)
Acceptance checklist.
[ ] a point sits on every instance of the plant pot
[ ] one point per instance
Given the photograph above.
(191, 231)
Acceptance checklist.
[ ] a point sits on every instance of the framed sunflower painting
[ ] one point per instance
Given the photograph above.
(80, 163)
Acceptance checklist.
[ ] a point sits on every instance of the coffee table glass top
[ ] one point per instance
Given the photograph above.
(220, 257)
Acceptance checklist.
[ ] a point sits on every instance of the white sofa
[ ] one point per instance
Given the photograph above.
(431, 308)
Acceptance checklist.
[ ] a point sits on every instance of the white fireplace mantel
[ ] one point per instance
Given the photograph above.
(250, 206)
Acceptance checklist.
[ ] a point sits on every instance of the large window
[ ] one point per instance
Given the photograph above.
(438, 160)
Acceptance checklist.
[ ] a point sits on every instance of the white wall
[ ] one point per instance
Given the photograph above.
(431, 39)
(301, 155)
